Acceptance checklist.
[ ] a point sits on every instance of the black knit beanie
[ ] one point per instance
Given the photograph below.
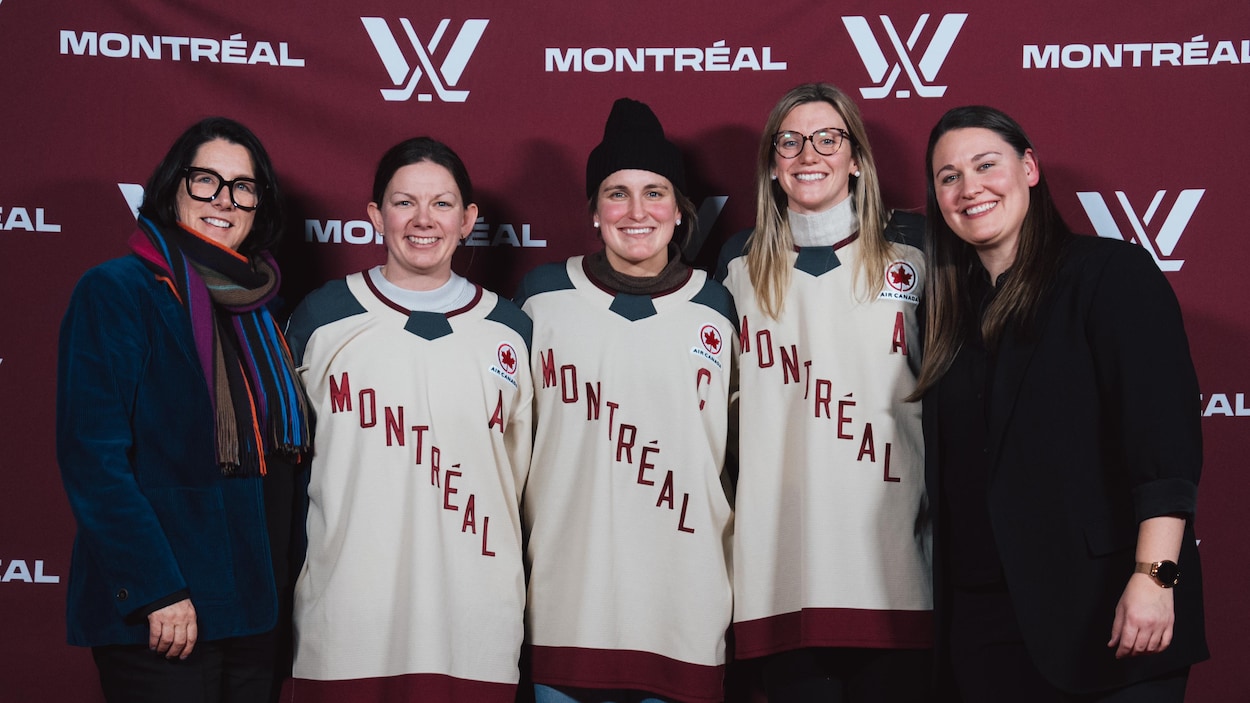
(633, 138)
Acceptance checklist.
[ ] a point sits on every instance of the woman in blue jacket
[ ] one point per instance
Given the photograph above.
(174, 384)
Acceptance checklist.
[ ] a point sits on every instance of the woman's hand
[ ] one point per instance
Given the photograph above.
(1145, 614)
(172, 630)
(1143, 618)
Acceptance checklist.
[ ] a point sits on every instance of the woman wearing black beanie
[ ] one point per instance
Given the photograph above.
(627, 510)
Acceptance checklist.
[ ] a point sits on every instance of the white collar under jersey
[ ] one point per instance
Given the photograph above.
(824, 229)
(456, 293)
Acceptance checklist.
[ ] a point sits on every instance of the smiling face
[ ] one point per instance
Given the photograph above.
(814, 182)
(218, 220)
(422, 219)
(637, 213)
(982, 188)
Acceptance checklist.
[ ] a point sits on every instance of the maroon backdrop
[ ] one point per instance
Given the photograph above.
(1138, 110)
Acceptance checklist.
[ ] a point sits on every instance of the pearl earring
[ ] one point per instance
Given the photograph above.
(856, 174)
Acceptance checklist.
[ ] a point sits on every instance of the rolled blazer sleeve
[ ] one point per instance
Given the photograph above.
(1145, 371)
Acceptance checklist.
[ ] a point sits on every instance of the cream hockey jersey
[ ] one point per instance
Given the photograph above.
(627, 513)
(413, 587)
(832, 546)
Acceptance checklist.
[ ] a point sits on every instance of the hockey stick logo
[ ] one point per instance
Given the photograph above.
(921, 73)
(406, 76)
(1168, 234)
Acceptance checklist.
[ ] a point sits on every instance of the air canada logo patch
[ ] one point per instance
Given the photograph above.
(901, 283)
(710, 344)
(506, 369)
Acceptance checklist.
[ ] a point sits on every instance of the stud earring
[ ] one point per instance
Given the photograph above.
(679, 222)
(856, 174)
(772, 176)
(596, 224)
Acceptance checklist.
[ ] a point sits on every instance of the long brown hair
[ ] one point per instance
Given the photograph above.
(950, 260)
(771, 242)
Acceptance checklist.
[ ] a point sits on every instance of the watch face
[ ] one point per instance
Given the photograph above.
(1167, 573)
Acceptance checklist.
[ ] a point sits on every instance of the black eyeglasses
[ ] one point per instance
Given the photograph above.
(204, 184)
(825, 141)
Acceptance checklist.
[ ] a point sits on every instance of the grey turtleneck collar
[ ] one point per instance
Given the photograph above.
(824, 229)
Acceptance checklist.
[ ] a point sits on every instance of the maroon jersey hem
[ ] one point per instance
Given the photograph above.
(834, 627)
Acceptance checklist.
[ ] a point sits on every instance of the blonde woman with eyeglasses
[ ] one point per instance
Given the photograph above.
(832, 585)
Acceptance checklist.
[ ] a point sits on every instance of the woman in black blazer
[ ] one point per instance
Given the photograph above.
(1062, 440)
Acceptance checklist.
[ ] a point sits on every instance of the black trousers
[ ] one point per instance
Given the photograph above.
(235, 670)
(991, 663)
(849, 675)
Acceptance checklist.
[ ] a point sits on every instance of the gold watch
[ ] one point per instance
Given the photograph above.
(1165, 573)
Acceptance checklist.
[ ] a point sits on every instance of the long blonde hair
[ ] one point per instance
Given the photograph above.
(771, 242)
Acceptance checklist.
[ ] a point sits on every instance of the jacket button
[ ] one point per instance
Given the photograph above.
(123, 594)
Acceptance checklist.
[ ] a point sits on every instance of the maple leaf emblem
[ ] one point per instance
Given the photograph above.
(711, 340)
(900, 277)
(507, 357)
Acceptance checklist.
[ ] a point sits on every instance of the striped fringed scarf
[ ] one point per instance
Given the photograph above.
(259, 402)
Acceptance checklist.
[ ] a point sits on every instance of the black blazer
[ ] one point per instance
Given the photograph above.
(1095, 427)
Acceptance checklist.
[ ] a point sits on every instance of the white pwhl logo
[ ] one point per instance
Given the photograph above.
(402, 74)
(133, 193)
(884, 74)
(1168, 234)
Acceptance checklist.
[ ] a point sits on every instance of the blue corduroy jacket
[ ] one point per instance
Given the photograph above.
(136, 448)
